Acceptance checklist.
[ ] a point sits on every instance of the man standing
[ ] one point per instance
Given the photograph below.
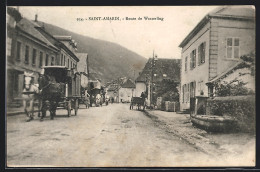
(87, 100)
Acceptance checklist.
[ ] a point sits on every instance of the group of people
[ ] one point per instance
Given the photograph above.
(98, 100)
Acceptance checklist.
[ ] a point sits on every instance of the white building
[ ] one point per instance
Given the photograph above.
(214, 46)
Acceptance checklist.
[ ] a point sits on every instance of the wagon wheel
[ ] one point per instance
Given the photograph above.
(69, 108)
(76, 106)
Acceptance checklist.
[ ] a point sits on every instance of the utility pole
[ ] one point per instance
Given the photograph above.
(151, 90)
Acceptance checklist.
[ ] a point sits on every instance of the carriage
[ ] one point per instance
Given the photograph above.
(64, 83)
(137, 101)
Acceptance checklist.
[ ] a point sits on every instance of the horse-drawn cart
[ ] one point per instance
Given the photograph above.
(137, 101)
(60, 89)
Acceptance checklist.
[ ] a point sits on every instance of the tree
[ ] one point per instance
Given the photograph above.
(236, 87)
(167, 89)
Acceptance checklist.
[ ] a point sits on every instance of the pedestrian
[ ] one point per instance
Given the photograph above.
(143, 95)
(87, 99)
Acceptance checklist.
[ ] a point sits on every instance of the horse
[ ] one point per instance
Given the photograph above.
(50, 92)
(30, 94)
(138, 101)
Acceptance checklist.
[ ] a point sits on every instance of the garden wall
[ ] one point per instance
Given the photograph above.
(241, 108)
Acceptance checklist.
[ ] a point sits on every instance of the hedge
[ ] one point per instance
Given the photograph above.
(241, 108)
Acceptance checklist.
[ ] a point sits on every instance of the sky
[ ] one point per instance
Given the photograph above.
(144, 37)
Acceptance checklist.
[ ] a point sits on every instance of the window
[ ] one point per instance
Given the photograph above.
(201, 87)
(52, 61)
(64, 61)
(8, 46)
(183, 93)
(201, 53)
(68, 63)
(192, 89)
(34, 57)
(232, 48)
(186, 94)
(18, 51)
(71, 65)
(26, 59)
(41, 58)
(193, 59)
(61, 60)
(186, 61)
(46, 60)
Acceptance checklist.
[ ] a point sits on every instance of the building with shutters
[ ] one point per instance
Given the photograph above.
(215, 45)
(29, 48)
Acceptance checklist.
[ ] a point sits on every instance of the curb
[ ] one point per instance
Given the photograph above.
(18, 113)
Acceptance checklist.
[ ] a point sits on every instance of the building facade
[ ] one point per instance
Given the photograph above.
(29, 48)
(126, 91)
(29, 52)
(214, 46)
(82, 68)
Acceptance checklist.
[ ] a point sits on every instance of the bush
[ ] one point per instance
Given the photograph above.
(241, 108)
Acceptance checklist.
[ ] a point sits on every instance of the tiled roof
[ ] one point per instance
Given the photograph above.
(113, 87)
(163, 69)
(29, 27)
(128, 84)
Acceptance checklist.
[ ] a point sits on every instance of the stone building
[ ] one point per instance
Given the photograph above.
(161, 69)
(126, 91)
(30, 48)
(212, 47)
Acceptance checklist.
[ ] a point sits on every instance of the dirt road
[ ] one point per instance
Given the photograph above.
(108, 136)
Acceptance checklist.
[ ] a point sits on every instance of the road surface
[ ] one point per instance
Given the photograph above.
(108, 136)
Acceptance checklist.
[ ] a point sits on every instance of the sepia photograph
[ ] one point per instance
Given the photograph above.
(130, 86)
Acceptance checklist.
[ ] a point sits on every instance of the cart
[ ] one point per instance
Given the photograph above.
(69, 81)
(137, 101)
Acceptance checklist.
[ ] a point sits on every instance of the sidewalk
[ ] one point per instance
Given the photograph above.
(17, 110)
(229, 144)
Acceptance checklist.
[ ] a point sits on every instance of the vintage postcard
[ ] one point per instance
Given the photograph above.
(130, 86)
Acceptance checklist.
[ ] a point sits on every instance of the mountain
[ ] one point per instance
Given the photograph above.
(107, 60)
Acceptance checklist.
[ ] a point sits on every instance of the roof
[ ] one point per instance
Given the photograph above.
(163, 69)
(113, 87)
(229, 12)
(222, 75)
(62, 37)
(128, 84)
(39, 26)
(29, 27)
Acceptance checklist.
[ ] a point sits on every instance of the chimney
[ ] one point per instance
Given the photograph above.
(36, 17)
